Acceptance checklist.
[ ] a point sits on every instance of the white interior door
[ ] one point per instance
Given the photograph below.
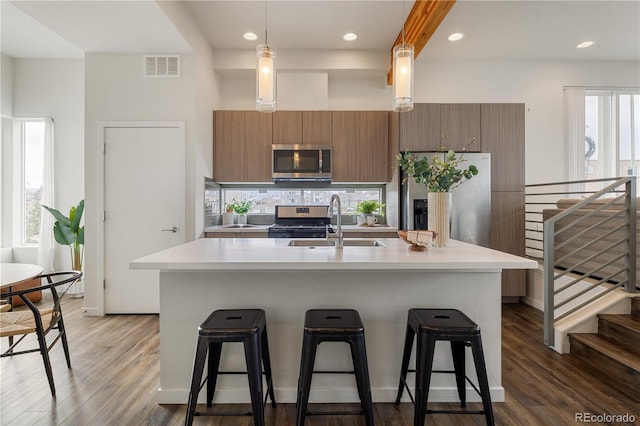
(144, 210)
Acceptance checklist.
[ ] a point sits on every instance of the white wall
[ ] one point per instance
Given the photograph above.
(537, 84)
(207, 96)
(54, 88)
(117, 91)
(6, 152)
(6, 86)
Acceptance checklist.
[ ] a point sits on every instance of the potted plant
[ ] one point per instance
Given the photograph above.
(227, 216)
(367, 209)
(242, 208)
(440, 176)
(68, 232)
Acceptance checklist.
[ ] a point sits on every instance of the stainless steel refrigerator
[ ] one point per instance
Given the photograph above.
(471, 210)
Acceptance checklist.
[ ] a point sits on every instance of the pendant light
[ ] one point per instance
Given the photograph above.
(403, 74)
(266, 73)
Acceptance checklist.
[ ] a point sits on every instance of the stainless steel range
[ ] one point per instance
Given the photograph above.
(301, 222)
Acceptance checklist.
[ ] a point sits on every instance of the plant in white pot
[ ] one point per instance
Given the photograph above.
(227, 216)
(68, 232)
(367, 209)
(242, 208)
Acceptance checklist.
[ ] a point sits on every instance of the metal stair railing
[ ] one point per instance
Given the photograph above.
(569, 243)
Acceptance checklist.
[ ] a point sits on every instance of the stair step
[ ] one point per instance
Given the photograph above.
(623, 330)
(607, 360)
(635, 306)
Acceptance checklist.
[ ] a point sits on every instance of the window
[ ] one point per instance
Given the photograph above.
(265, 199)
(612, 133)
(32, 143)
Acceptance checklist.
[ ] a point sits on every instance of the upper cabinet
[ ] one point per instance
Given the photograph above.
(460, 127)
(433, 127)
(287, 127)
(243, 139)
(360, 146)
(228, 146)
(420, 128)
(503, 136)
(302, 127)
(257, 147)
(316, 127)
(242, 146)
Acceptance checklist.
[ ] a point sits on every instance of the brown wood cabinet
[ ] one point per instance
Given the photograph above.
(257, 147)
(243, 139)
(433, 127)
(460, 127)
(360, 146)
(302, 127)
(228, 146)
(316, 127)
(420, 128)
(508, 235)
(242, 146)
(287, 127)
(503, 136)
(236, 234)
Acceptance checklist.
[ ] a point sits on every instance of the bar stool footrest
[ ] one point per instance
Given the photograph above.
(335, 413)
(223, 414)
(453, 412)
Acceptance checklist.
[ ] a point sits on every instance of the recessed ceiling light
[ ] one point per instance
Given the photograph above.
(455, 36)
(584, 44)
(350, 36)
(250, 36)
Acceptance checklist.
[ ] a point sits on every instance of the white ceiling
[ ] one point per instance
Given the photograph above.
(507, 29)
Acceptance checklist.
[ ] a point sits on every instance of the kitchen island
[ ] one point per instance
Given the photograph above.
(382, 283)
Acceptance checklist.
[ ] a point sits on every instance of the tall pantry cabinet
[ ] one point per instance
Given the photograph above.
(497, 129)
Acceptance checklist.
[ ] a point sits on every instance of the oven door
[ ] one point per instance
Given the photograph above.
(295, 232)
(298, 162)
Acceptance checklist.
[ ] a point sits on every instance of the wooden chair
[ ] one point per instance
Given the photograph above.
(39, 320)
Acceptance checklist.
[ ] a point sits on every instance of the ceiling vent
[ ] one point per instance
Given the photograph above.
(162, 66)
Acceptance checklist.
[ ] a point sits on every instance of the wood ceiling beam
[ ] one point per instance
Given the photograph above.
(422, 22)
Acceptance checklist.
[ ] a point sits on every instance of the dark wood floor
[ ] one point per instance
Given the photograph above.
(116, 373)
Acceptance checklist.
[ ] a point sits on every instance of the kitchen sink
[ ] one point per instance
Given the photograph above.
(331, 243)
(238, 225)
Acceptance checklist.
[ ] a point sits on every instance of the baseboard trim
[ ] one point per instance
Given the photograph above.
(325, 395)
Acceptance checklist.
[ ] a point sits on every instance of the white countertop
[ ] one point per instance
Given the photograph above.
(208, 254)
(263, 228)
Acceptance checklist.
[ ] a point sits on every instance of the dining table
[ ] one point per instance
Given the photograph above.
(12, 274)
(15, 273)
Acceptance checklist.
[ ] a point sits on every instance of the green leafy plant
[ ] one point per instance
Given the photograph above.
(368, 207)
(68, 232)
(437, 175)
(228, 207)
(241, 207)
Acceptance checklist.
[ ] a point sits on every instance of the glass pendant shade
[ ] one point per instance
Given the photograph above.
(266, 78)
(403, 77)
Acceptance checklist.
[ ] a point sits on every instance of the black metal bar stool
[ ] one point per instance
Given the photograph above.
(249, 327)
(432, 325)
(334, 325)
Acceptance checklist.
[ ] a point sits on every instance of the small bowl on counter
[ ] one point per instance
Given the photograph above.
(418, 240)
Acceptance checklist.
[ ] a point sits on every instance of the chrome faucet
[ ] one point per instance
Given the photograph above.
(336, 199)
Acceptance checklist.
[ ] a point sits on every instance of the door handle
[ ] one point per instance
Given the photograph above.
(173, 229)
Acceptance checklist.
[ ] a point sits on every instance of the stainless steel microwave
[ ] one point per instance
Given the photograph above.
(301, 162)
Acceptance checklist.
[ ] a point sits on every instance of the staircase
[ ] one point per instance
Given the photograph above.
(612, 354)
